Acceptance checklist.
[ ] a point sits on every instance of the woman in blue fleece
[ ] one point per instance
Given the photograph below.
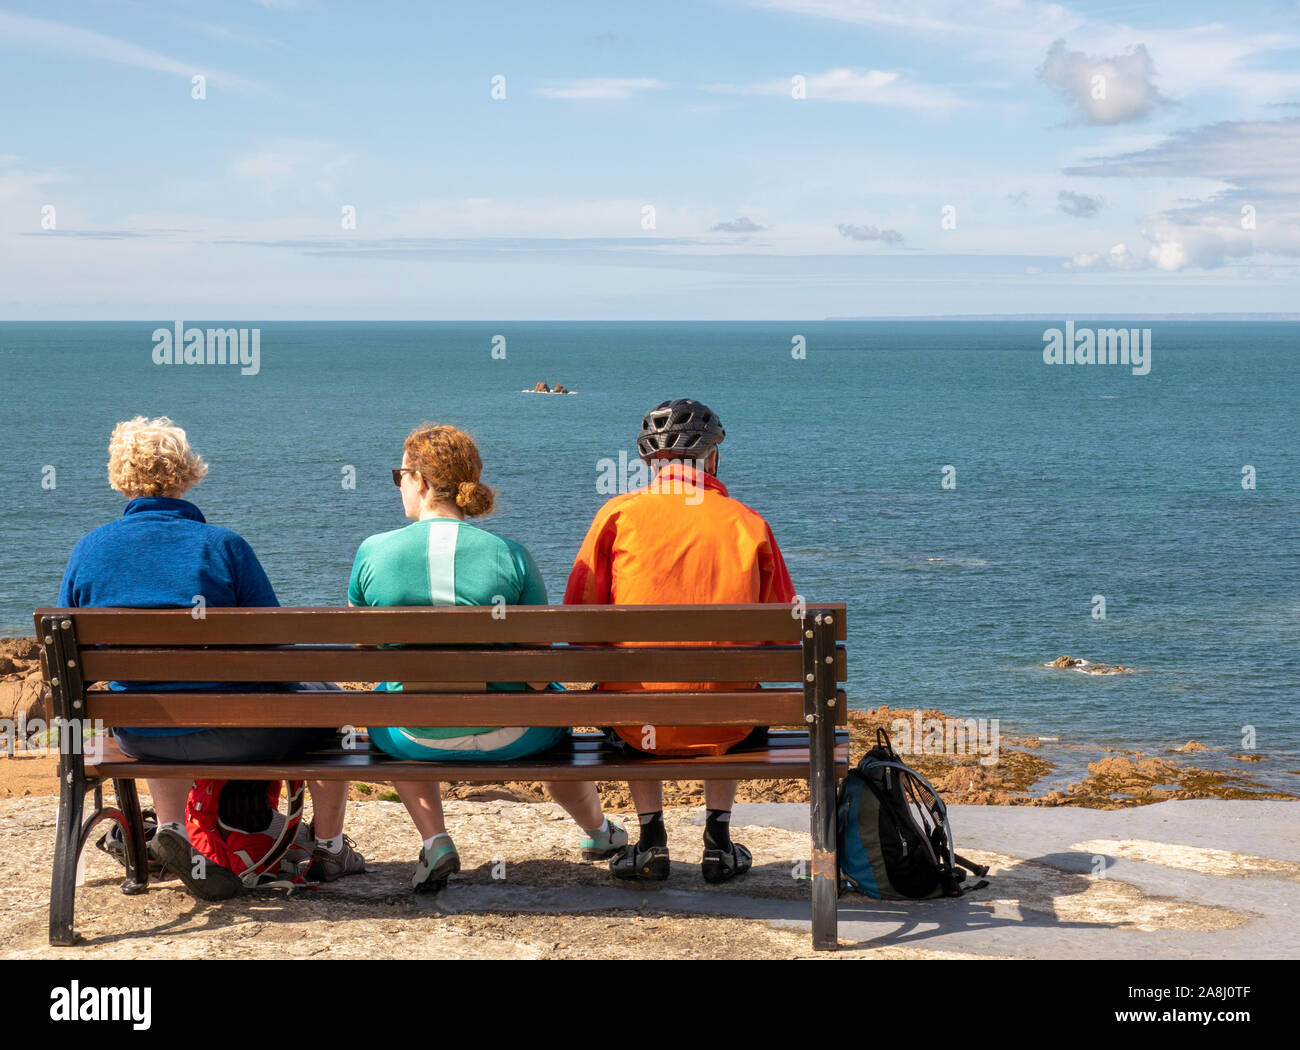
(162, 554)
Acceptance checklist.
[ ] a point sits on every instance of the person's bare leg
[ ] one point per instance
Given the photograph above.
(423, 800)
(580, 800)
(329, 798)
(647, 795)
(720, 794)
(169, 797)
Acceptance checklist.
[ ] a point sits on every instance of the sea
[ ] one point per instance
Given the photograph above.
(979, 510)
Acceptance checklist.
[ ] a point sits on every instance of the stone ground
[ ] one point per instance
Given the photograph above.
(1178, 879)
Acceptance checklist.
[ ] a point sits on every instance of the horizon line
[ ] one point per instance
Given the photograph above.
(1053, 316)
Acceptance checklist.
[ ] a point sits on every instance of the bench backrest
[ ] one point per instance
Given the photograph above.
(746, 645)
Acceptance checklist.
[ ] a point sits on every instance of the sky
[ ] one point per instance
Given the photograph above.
(710, 159)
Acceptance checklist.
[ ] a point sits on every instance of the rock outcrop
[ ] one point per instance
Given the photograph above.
(20, 679)
(1069, 663)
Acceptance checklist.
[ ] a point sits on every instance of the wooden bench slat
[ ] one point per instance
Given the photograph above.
(334, 709)
(584, 759)
(772, 663)
(463, 625)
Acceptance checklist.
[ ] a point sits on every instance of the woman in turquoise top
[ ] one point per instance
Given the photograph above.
(443, 560)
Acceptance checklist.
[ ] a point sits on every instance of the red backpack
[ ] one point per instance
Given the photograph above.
(238, 825)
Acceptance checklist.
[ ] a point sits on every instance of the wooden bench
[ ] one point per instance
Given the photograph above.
(471, 645)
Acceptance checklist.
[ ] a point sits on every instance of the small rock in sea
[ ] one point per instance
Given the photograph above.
(1066, 661)
(559, 388)
(541, 388)
(1103, 669)
(1190, 746)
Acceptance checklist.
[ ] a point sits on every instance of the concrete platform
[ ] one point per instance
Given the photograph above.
(1187, 880)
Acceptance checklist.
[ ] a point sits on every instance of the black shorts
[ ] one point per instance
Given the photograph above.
(225, 745)
(757, 738)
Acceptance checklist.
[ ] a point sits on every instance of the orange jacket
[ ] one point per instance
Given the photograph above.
(683, 540)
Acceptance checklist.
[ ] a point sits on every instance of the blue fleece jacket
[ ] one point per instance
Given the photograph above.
(158, 555)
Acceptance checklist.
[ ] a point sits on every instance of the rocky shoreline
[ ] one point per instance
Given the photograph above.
(1021, 775)
(20, 679)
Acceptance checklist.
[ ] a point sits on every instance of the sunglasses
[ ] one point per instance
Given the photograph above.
(399, 471)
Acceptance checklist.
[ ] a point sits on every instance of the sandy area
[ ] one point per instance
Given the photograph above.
(503, 845)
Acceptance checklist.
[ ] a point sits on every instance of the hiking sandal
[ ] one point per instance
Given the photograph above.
(648, 865)
(722, 865)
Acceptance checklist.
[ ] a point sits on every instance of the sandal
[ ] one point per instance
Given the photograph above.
(648, 865)
(722, 865)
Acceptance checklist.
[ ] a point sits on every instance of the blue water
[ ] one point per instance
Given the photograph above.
(1070, 482)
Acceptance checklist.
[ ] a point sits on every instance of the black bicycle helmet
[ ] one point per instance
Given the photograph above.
(683, 427)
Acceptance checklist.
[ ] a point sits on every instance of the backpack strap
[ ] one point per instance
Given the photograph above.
(978, 870)
(269, 862)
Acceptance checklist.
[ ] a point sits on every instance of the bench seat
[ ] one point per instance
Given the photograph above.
(587, 756)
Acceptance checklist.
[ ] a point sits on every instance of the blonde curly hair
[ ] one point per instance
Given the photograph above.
(152, 457)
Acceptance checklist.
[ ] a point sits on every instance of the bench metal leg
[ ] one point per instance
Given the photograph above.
(137, 850)
(825, 858)
(820, 698)
(67, 846)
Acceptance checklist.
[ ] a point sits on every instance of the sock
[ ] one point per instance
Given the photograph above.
(172, 825)
(602, 830)
(717, 829)
(332, 845)
(653, 832)
(428, 843)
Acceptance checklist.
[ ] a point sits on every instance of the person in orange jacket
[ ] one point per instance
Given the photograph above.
(681, 540)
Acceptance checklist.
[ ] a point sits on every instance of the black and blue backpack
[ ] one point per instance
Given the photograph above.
(895, 842)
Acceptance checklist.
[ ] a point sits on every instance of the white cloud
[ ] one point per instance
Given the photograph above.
(874, 86)
(1253, 209)
(869, 233)
(71, 40)
(958, 20)
(743, 224)
(1214, 57)
(1120, 258)
(1261, 153)
(600, 88)
(1103, 90)
(1080, 205)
